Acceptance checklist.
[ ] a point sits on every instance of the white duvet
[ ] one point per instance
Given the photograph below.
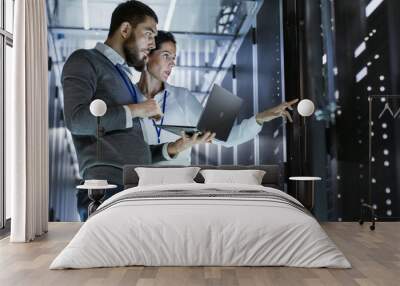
(200, 231)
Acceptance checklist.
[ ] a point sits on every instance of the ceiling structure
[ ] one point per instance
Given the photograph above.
(208, 33)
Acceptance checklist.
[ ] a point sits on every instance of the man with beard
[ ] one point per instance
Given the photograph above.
(104, 73)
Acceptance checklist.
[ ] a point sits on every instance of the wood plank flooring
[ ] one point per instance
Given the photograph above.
(375, 257)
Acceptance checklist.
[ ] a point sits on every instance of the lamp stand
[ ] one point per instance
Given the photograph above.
(303, 148)
(305, 168)
(98, 151)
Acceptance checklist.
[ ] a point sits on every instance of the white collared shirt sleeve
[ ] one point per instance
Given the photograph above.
(128, 114)
(165, 153)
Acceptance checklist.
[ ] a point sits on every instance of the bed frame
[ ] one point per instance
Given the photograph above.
(274, 176)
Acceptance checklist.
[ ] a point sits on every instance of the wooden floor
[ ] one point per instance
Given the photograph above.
(375, 257)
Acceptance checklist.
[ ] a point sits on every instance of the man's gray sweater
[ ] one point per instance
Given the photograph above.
(89, 75)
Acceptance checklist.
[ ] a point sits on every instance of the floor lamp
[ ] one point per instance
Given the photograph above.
(98, 108)
(305, 108)
(96, 188)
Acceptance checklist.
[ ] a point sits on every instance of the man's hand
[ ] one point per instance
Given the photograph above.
(275, 112)
(146, 109)
(186, 142)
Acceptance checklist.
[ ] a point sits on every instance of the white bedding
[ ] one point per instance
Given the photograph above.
(183, 231)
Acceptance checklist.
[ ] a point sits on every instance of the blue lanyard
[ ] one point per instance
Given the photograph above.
(158, 129)
(128, 83)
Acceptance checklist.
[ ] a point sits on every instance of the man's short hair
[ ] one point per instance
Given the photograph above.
(163, 37)
(130, 11)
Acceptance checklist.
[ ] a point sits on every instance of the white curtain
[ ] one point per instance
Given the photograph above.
(27, 123)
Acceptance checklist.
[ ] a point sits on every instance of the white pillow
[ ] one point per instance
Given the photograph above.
(164, 176)
(248, 177)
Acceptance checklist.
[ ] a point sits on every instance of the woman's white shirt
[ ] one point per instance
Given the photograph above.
(183, 108)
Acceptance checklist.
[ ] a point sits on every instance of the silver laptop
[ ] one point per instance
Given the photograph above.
(218, 115)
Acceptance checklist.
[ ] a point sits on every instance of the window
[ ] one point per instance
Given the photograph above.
(6, 45)
(9, 15)
(8, 73)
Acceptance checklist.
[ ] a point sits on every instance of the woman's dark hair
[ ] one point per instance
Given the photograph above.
(163, 37)
(130, 11)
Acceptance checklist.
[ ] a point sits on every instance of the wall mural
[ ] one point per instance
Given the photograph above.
(255, 75)
(338, 154)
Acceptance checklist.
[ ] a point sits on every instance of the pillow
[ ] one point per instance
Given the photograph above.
(163, 176)
(248, 177)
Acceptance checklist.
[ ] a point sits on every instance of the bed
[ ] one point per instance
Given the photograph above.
(198, 224)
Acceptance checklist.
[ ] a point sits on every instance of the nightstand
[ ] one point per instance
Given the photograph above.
(311, 181)
(96, 192)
